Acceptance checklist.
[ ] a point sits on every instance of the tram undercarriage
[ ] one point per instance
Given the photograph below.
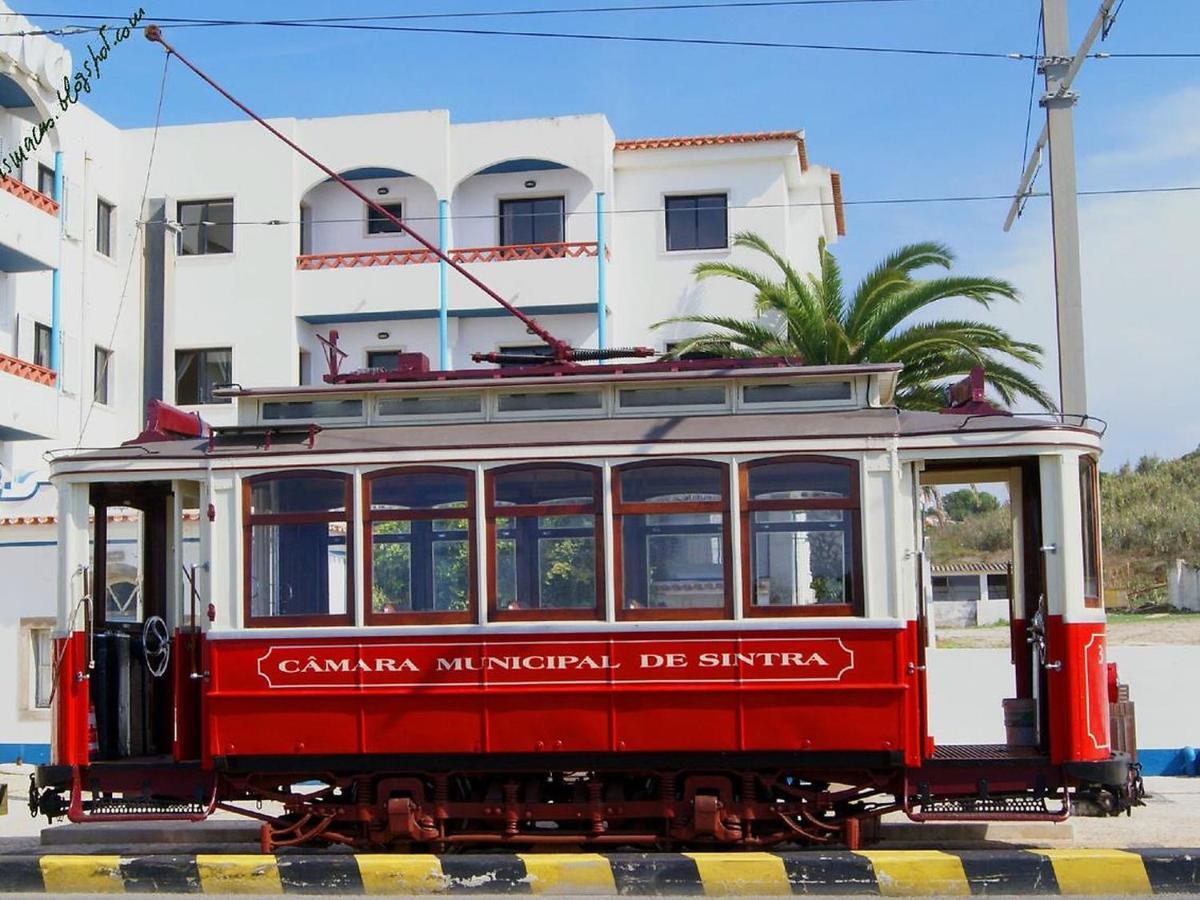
(746, 805)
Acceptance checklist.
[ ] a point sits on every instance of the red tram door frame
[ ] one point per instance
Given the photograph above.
(1026, 585)
(148, 708)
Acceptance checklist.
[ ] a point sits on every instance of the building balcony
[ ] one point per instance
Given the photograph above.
(421, 256)
(30, 408)
(403, 283)
(29, 240)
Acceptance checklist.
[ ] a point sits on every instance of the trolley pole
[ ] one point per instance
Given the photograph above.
(1060, 67)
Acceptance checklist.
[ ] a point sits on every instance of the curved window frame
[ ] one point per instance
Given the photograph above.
(371, 516)
(594, 509)
(249, 520)
(853, 507)
(622, 509)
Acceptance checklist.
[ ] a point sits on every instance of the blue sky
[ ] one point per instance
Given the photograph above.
(895, 126)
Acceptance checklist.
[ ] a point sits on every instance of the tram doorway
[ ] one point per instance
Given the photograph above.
(983, 587)
(138, 558)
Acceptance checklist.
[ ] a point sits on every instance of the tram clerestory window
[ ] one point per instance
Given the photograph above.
(673, 539)
(800, 518)
(298, 544)
(421, 562)
(545, 542)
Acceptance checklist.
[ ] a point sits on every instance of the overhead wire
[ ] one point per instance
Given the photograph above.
(876, 201)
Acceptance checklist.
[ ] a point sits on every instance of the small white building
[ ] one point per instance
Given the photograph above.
(240, 253)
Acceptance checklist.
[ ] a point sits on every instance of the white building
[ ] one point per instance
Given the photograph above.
(248, 252)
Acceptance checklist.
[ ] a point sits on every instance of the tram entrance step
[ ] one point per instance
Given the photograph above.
(144, 833)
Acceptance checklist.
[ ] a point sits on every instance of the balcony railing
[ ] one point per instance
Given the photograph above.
(30, 371)
(29, 195)
(419, 256)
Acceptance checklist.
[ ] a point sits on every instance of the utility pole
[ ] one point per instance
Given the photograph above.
(1060, 68)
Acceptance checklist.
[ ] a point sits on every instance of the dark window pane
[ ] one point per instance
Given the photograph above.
(534, 221)
(102, 376)
(420, 566)
(1091, 528)
(634, 398)
(669, 483)
(197, 372)
(799, 481)
(796, 392)
(681, 224)
(800, 557)
(419, 490)
(673, 561)
(45, 183)
(104, 217)
(380, 224)
(298, 570)
(697, 222)
(547, 484)
(206, 226)
(549, 400)
(997, 587)
(305, 493)
(449, 404)
(220, 231)
(41, 344)
(711, 223)
(383, 359)
(312, 409)
(546, 562)
(190, 217)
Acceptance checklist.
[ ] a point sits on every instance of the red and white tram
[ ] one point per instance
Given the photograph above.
(660, 604)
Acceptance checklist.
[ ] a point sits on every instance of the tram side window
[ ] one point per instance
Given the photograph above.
(800, 521)
(672, 522)
(545, 541)
(421, 562)
(297, 536)
(1089, 494)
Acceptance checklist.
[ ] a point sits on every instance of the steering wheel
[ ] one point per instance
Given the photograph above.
(156, 644)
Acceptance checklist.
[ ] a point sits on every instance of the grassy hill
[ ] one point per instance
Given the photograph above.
(1150, 513)
(1151, 516)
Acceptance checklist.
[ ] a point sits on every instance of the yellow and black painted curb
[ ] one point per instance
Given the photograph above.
(895, 873)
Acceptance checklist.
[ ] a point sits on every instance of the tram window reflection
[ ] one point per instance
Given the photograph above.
(544, 531)
(421, 552)
(672, 519)
(800, 521)
(297, 533)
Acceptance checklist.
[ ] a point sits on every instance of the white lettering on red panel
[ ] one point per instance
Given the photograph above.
(576, 662)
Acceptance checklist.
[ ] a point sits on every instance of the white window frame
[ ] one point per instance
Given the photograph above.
(27, 708)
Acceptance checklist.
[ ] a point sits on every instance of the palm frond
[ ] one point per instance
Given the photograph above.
(894, 272)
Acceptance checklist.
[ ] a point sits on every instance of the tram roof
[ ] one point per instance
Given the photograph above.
(474, 440)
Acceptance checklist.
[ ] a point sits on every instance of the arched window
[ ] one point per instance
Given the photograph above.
(419, 532)
(801, 537)
(297, 543)
(672, 545)
(545, 542)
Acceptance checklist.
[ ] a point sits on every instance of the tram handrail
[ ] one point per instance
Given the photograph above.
(1062, 418)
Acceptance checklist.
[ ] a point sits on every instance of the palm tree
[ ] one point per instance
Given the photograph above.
(810, 317)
